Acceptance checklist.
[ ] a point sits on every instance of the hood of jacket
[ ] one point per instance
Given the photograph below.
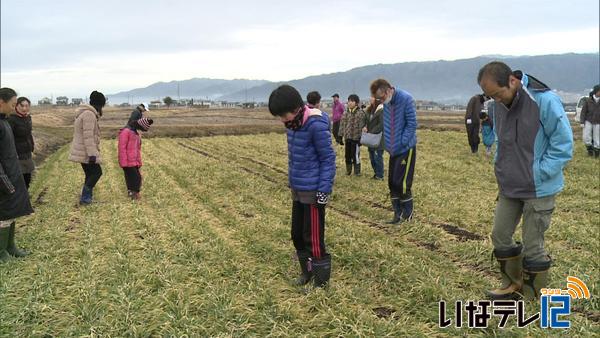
(83, 107)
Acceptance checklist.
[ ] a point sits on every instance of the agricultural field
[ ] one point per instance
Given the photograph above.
(207, 250)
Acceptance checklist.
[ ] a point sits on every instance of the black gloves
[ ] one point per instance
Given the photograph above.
(92, 159)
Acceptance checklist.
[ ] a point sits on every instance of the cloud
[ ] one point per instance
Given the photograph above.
(73, 46)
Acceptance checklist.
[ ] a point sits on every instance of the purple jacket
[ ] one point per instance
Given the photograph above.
(337, 111)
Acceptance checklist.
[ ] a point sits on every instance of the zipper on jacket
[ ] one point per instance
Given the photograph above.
(517, 131)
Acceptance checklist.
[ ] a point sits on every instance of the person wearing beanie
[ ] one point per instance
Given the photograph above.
(85, 148)
(20, 122)
(130, 154)
(14, 198)
(590, 122)
(137, 113)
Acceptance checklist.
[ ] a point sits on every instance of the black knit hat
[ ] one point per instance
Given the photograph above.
(97, 99)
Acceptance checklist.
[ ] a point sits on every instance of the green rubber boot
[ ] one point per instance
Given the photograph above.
(535, 277)
(4, 233)
(12, 248)
(511, 271)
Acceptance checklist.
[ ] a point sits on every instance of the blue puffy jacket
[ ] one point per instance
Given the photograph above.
(535, 142)
(399, 123)
(311, 158)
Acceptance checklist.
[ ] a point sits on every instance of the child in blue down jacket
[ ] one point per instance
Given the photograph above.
(311, 171)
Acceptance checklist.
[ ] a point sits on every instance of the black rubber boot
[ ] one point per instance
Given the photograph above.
(357, 169)
(590, 150)
(12, 248)
(348, 169)
(4, 234)
(535, 277)
(407, 209)
(397, 211)
(305, 275)
(596, 152)
(511, 270)
(321, 270)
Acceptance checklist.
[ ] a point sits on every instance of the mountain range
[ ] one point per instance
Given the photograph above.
(571, 75)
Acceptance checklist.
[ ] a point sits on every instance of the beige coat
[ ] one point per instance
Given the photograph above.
(86, 135)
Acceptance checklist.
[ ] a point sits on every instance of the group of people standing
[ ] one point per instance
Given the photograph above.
(534, 143)
(85, 148)
(17, 166)
(311, 160)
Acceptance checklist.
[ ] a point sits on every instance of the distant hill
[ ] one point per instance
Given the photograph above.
(571, 75)
(198, 88)
(446, 81)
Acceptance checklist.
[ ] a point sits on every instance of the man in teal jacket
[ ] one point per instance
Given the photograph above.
(534, 143)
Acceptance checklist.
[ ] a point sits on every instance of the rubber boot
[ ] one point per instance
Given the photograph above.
(357, 169)
(511, 270)
(86, 196)
(397, 211)
(348, 169)
(535, 277)
(321, 270)
(596, 152)
(407, 209)
(11, 247)
(4, 234)
(590, 150)
(305, 275)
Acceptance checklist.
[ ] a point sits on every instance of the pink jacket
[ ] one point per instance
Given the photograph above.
(337, 111)
(130, 148)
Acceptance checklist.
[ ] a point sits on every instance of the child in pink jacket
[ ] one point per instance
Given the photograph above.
(130, 154)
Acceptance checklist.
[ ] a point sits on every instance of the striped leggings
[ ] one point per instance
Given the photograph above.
(308, 229)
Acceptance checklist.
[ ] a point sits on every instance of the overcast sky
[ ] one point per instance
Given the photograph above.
(72, 47)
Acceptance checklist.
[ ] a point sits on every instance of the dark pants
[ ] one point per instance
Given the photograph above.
(133, 178)
(27, 178)
(308, 228)
(336, 132)
(400, 175)
(352, 152)
(473, 136)
(376, 157)
(92, 171)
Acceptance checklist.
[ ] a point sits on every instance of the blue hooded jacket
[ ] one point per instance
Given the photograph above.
(534, 142)
(399, 123)
(311, 158)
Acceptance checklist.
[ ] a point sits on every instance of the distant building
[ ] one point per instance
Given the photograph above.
(155, 104)
(62, 101)
(44, 102)
(76, 101)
